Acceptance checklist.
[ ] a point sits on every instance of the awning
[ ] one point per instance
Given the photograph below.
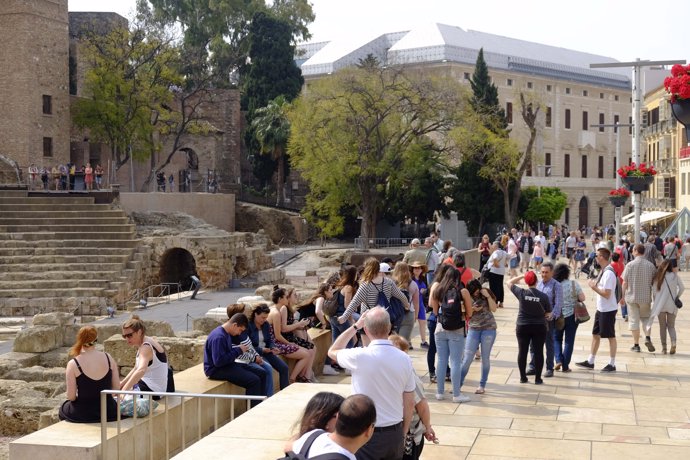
(646, 216)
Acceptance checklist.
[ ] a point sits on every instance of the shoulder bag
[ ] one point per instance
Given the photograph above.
(581, 313)
(676, 299)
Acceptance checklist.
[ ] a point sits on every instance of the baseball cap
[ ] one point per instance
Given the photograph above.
(384, 267)
(530, 278)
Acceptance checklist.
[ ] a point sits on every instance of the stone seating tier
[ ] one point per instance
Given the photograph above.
(44, 241)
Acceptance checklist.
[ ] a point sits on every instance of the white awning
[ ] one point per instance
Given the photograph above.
(646, 216)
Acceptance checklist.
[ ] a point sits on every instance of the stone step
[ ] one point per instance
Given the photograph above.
(53, 293)
(69, 264)
(37, 236)
(46, 200)
(29, 251)
(56, 243)
(56, 220)
(54, 207)
(42, 285)
(13, 193)
(70, 228)
(65, 275)
(27, 214)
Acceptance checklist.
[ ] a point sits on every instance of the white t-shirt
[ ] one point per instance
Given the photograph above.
(512, 249)
(383, 373)
(571, 242)
(321, 445)
(607, 281)
(501, 255)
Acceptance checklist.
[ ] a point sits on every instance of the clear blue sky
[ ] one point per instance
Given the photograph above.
(622, 30)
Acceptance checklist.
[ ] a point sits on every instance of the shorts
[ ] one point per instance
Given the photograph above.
(637, 311)
(538, 260)
(605, 324)
(569, 252)
(674, 263)
(514, 262)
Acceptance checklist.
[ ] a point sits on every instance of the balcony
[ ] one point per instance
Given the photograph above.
(662, 127)
(684, 153)
(666, 166)
(661, 204)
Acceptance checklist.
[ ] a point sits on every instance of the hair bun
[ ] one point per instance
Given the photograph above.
(276, 287)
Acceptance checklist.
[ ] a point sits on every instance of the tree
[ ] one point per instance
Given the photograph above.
(219, 28)
(485, 96)
(468, 185)
(545, 205)
(370, 62)
(272, 130)
(351, 131)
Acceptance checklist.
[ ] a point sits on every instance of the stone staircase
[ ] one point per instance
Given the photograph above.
(64, 253)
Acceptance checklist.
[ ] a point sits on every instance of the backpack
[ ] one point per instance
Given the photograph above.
(393, 306)
(451, 315)
(302, 454)
(330, 306)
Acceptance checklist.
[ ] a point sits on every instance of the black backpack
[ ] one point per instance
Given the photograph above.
(451, 315)
(302, 454)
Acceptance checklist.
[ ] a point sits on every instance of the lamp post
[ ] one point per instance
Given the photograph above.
(637, 94)
(618, 212)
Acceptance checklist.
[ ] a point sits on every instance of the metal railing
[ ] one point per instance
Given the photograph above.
(164, 290)
(166, 430)
(379, 243)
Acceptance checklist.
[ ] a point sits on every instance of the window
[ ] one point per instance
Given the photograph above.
(567, 216)
(567, 91)
(616, 119)
(509, 82)
(548, 87)
(566, 165)
(601, 167)
(584, 93)
(584, 166)
(615, 167)
(615, 98)
(601, 216)
(567, 118)
(466, 76)
(529, 85)
(509, 112)
(601, 95)
(47, 146)
(585, 120)
(601, 122)
(682, 184)
(548, 117)
(630, 127)
(547, 160)
(47, 104)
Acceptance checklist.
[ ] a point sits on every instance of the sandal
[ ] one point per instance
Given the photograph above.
(479, 391)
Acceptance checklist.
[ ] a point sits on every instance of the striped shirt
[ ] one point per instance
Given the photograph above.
(368, 295)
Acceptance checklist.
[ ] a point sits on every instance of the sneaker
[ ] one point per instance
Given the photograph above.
(566, 369)
(609, 368)
(538, 382)
(557, 367)
(337, 367)
(328, 370)
(530, 372)
(585, 364)
(636, 348)
(461, 399)
(649, 345)
(425, 345)
(523, 380)
(625, 318)
(663, 350)
(548, 373)
(673, 350)
(439, 396)
(432, 377)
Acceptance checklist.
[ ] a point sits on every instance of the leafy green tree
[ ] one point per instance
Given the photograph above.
(272, 130)
(352, 131)
(475, 198)
(370, 62)
(485, 96)
(545, 205)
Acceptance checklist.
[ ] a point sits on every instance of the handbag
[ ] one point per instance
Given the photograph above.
(581, 313)
(144, 406)
(676, 300)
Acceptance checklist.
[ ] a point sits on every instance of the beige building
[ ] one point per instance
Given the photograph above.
(569, 153)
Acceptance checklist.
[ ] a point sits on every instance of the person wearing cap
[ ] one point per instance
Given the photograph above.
(384, 268)
(417, 253)
(534, 310)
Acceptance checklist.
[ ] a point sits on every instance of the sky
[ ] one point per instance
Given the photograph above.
(612, 28)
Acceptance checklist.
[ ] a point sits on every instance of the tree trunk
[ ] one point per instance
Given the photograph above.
(280, 174)
(516, 199)
(369, 216)
(510, 218)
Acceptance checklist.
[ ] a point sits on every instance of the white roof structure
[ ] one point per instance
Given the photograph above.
(444, 43)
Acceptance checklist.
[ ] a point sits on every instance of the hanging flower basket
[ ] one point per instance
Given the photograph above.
(681, 112)
(678, 87)
(637, 184)
(618, 201)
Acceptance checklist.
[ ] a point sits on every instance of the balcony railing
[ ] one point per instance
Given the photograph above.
(665, 204)
(666, 165)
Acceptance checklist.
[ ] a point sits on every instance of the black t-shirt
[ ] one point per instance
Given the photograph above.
(533, 305)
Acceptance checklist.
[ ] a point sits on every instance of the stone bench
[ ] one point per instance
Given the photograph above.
(322, 341)
(68, 441)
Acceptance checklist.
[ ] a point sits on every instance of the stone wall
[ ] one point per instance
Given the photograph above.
(281, 226)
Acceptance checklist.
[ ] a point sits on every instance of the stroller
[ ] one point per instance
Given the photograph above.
(590, 268)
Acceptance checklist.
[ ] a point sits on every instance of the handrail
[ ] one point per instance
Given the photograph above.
(165, 290)
(149, 395)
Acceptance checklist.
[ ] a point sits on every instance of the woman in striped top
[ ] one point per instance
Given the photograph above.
(370, 284)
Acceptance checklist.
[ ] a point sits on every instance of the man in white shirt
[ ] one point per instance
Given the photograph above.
(383, 373)
(354, 426)
(605, 319)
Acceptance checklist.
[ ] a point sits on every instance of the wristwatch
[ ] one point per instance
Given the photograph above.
(354, 326)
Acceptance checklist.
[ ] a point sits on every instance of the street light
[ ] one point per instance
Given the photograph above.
(637, 94)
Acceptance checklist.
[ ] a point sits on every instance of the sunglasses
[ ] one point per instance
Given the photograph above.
(128, 335)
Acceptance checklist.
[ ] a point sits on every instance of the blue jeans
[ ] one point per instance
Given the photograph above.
(449, 346)
(431, 352)
(281, 367)
(251, 378)
(268, 389)
(337, 329)
(475, 337)
(564, 352)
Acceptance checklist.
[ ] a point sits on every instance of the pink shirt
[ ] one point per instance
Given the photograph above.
(538, 252)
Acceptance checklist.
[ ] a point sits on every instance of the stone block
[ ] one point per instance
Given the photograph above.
(158, 329)
(38, 339)
(55, 358)
(69, 334)
(47, 418)
(106, 331)
(53, 319)
(205, 324)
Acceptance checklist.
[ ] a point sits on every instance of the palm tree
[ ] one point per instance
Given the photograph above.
(272, 130)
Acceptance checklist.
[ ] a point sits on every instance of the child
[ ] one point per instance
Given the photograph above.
(538, 255)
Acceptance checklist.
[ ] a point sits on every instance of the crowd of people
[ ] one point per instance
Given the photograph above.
(63, 177)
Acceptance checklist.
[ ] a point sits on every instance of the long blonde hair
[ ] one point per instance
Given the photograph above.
(371, 269)
(401, 275)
